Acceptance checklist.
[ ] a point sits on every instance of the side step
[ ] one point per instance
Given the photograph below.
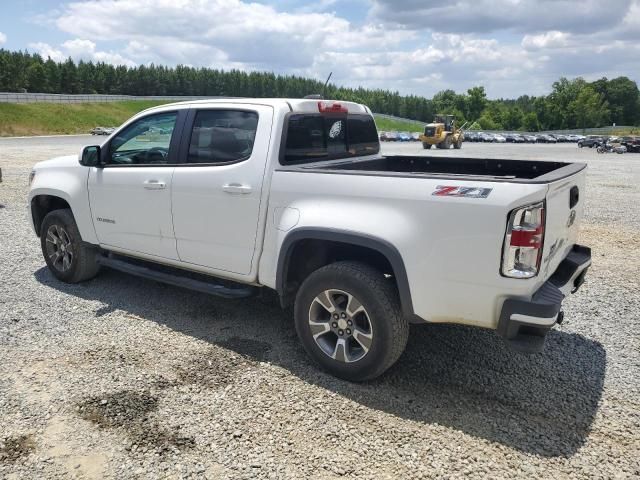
(177, 279)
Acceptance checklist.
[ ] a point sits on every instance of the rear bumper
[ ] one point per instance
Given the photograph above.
(525, 323)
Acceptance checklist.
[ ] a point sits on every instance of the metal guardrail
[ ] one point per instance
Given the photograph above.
(7, 97)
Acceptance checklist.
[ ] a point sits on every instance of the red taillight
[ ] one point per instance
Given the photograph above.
(524, 239)
(527, 237)
(327, 107)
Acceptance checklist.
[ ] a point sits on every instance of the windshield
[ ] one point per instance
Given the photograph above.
(313, 137)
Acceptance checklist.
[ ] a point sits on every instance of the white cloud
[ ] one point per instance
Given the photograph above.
(47, 51)
(482, 16)
(3, 38)
(196, 32)
(79, 49)
(553, 39)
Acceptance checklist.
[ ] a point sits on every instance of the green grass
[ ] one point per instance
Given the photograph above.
(386, 125)
(18, 119)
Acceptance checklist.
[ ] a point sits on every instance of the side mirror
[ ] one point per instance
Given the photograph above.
(90, 156)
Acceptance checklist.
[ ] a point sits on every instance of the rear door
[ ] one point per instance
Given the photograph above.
(217, 186)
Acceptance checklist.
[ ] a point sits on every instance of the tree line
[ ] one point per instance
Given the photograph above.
(572, 103)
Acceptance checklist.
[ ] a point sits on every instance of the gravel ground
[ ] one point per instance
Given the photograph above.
(125, 378)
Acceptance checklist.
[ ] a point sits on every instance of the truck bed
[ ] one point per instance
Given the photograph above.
(518, 171)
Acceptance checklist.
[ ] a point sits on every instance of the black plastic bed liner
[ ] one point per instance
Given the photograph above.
(506, 170)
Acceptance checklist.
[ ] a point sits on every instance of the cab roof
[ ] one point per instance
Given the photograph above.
(295, 105)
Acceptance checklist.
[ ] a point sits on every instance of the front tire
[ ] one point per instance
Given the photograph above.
(348, 318)
(67, 256)
(426, 146)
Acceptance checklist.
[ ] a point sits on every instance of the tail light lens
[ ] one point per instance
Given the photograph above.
(523, 242)
(328, 107)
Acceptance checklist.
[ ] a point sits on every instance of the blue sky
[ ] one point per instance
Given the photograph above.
(512, 47)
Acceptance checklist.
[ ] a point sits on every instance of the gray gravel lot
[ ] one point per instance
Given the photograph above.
(120, 377)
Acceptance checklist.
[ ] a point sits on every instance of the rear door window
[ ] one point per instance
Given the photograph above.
(313, 137)
(222, 136)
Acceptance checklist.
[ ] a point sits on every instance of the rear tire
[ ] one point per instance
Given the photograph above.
(348, 318)
(426, 146)
(67, 256)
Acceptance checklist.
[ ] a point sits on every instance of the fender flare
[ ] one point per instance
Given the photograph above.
(389, 251)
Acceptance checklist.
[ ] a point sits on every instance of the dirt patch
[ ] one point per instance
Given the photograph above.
(131, 412)
(105, 354)
(248, 348)
(15, 448)
(214, 368)
(118, 409)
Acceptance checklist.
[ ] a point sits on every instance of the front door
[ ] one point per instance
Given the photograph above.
(130, 196)
(218, 185)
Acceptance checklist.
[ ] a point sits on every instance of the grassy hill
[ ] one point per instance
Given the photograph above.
(385, 124)
(19, 119)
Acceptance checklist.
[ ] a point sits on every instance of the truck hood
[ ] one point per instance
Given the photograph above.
(66, 161)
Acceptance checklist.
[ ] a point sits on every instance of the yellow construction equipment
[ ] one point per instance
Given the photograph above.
(443, 133)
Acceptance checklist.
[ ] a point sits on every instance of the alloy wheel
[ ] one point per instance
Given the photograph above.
(59, 248)
(340, 326)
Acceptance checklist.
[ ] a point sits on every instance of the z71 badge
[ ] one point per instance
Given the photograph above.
(469, 192)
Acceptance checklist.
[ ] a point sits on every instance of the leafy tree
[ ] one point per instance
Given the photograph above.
(530, 122)
(477, 102)
(588, 108)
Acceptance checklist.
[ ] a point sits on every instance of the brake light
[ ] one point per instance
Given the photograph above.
(523, 242)
(327, 107)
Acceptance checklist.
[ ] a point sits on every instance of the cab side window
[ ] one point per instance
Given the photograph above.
(144, 142)
(222, 136)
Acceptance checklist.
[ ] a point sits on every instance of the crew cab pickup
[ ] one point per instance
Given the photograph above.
(231, 196)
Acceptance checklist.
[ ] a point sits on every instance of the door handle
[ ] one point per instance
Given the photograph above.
(154, 185)
(237, 188)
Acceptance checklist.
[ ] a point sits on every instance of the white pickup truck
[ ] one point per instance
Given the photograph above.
(228, 196)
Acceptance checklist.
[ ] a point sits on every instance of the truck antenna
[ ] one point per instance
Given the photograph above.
(320, 96)
(326, 83)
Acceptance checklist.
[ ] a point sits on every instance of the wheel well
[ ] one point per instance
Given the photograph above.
(301, 257)
(41, 205)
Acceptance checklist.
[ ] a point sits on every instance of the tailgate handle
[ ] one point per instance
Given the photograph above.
(574, 196)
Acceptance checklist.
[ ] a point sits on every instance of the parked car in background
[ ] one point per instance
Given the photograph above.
(102, 131)
(404, 137)
(631, 143)
(544, 138)
(510, 137)
(415, 136)
(530, 138)
(392, 136)
(499, 138)
(612, 147)
(591, 141)
(487, 137)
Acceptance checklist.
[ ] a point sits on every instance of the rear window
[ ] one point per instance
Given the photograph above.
(222, 136)
(323, 137)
